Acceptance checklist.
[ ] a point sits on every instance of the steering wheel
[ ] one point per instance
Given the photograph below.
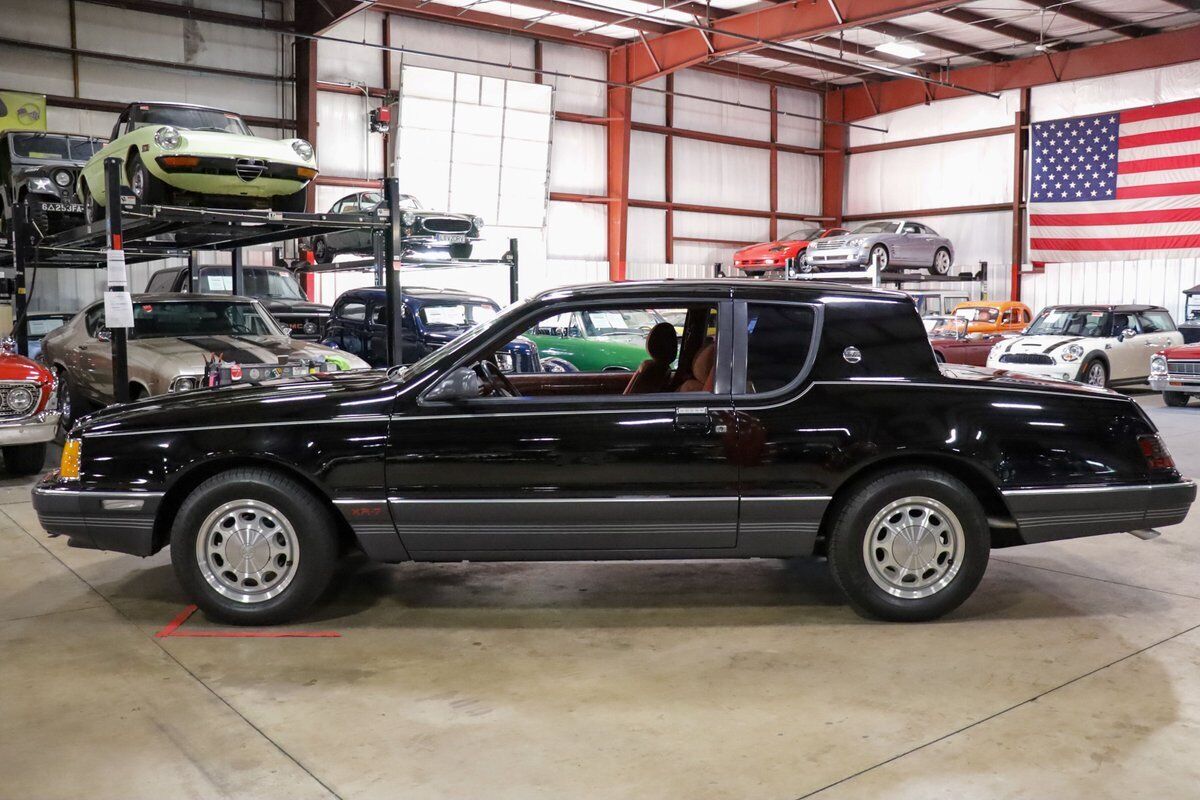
(491, 375)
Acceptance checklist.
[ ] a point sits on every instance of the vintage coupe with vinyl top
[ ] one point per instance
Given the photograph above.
(809, 420)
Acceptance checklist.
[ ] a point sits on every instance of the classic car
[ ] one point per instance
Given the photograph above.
(42, 167)
(816, 421)
(28, 411)
(758, 259)
(1100, 345)
(1175, 372)
(277, 288)
(889, 245)
(596, 339)
(954, 343)
(172, 339)
(432, 318)
(194, 155)
(1190, 327)
(422, 231)
(38, 324)
(994, 316)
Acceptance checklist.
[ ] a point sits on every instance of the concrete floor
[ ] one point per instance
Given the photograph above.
(1072, 672)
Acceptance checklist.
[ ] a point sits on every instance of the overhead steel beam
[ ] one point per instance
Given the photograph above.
(191, 12)
(1072, 10)
(480, 19)
(318, 16)
(1002, 27)
(933, 40)
(1111, 58)
(117, 107)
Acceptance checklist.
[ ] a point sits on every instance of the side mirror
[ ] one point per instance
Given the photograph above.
(104, 335)
(460, 384)
(1126, 334)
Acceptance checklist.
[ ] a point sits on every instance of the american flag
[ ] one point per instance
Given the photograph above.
(1117, 186)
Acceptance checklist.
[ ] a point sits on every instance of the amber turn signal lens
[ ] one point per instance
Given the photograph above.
(306, 173)
(69, 466)
(180, 161)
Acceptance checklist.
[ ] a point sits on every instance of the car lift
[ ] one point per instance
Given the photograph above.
(149, 233)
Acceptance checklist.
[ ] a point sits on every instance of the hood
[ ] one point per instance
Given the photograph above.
(1048, 345)
(18, 368)
(185, 355)
(425, 213)
(226, 144)
(781, 248)
(279, 304)
(312, 397)
(1015, 380)
(1185, 351)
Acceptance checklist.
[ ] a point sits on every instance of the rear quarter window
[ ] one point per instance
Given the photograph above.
(778, 340)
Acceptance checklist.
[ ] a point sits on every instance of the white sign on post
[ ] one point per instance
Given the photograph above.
(118, 310)
(117, 275)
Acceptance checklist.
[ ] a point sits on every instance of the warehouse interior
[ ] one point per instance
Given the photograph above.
(599, 143)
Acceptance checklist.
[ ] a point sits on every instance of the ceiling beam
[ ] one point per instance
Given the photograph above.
(318, 16)
(191, 12)
(747, 72)
(1111, 58)
(757, 29)
(999, 26)
(1074, 11)
(596, 15)
(935, 41)
(479, 19)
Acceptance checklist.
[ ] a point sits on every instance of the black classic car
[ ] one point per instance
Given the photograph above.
(275, 287)
(432, 318)
(42, 167)
(422, 231)
(811, 420)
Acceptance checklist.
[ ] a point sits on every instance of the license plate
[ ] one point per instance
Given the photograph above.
(65, 208)
(452, 238)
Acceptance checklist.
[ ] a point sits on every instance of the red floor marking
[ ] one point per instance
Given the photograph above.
(172, 630)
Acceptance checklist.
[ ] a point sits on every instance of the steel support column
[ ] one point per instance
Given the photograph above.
(22, 250)
(306, 102)
(669, 170)
(774, 181)
(394, 289)
(833, 162)
(120, 336)
(620, 104)
(1020, 143)
(237, 272)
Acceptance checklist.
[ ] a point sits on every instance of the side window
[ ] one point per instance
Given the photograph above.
(1121, 322)
(378, 314)
(910, 227)
(778, 338)
(94, 321)
(352, 310)
(1156, 322)
(1024, 316)
(161, 281)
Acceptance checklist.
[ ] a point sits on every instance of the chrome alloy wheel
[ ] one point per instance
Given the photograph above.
(941, 263)
(1096, 374)
(914, 547)
(247, 551)
(137, 182)
(880, 257)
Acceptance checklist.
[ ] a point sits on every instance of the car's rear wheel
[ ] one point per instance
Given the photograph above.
(321, 251)
(295, 203)
(71, 403)
(941, 262)
(25, 459)
(92, 211)
(148, 189)
(803, 265)
(1176, 399)
(253, 547)
(909, 545)
(880, 257)
(1094, 373)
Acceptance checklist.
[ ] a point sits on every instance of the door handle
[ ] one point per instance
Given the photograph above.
(695, 420)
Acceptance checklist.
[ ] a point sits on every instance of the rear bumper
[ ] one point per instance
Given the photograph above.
(34, 430)
(118, 521)
(1045, 515)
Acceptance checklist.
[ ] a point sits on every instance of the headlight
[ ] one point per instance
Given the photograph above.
(184, 383)
(21, 399)
(167, 138)
(478, 221)
(303, 149)
(856, 242)
(41, 185)
(1072, 352)
(409, 218)
(1158, 365)
(62, 178)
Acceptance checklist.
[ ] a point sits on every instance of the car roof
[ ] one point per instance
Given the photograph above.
(804, 290)
(178, 105)
(167, 297)
(419, 292)
(988, 303)
(1102, 307)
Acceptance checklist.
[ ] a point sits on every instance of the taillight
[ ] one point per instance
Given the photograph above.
(1158, 459)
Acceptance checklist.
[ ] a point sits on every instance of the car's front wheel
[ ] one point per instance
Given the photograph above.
(71, 403)
(909, 545)
(880, 257)
(92, 211)
(1094, 373)
(1176, 399)
(252, 546)
(941, 262)
(25, 459)
(148, 189)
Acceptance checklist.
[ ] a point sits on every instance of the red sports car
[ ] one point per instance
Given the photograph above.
(768, 256)
(28, 412)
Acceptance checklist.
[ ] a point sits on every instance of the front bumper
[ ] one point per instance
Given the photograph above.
(218, 175)
(1046, 515)
(1058, 372)
(118, 521)
(1176, 383)
(823, 259)
(31, 430)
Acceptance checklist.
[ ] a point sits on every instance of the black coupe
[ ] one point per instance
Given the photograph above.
(775, 421)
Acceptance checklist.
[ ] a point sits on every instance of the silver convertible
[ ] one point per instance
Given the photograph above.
(890, 245)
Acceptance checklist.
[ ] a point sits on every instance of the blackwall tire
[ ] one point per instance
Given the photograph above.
(92, 211)
(915, 522)
(71, 403)
(1094, 373)
(1176, 399)
(252, 546)
(25, 459)
(941, 262)
(148, 189)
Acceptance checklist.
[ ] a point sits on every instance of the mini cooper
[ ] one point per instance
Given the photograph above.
(1100, 345)
(813, 420)
(194, 155)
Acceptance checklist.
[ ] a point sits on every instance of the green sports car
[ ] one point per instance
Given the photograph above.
(596, 341)
(174, 153)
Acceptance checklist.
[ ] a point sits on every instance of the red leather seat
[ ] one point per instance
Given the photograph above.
(703, 370)
(654, 374)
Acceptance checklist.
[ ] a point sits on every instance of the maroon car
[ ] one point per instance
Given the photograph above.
(953, 344)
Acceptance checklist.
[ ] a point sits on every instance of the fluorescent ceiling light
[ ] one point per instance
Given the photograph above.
(900, 49)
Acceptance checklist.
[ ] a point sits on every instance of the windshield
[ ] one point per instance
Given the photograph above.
(877, 227)
(37, 327)
(980, 314)
(620, 322)
(192, 119)
(406, 201)
(456, 315)
(803, 235)
(1070, 322)
(277, 284)
(459, 344)
(949, 327)
(54, 146)
(199, 318)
